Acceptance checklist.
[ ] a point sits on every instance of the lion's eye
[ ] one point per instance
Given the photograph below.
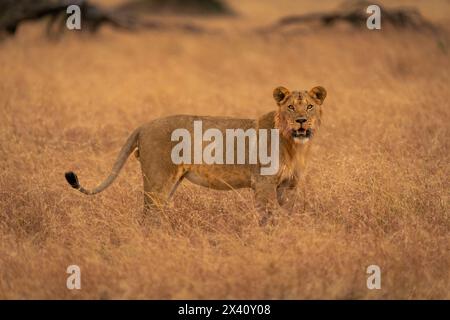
(291, 107)
(309, 107)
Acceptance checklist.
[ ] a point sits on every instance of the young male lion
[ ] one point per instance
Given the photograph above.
(297, 118)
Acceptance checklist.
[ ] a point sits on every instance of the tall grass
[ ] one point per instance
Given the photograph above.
(375, 191)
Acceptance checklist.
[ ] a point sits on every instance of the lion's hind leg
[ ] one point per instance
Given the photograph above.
(158, 191)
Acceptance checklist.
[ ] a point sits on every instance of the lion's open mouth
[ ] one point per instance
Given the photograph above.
(302, 133)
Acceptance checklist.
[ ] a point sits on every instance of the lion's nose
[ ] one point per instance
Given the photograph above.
(300, 120)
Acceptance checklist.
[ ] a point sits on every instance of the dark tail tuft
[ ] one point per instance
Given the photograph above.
(72, 179)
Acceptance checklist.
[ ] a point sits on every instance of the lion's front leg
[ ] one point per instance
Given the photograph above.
(287, 197)
(288, 194)
(266, 202)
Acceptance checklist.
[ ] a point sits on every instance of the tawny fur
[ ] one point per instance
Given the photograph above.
(298, 117)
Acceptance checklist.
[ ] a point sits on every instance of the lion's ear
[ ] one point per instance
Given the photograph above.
(280, 93)
(318, 93)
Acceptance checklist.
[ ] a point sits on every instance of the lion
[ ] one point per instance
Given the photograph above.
(297, 118)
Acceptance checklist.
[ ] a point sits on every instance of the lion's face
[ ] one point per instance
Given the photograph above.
(299, 112)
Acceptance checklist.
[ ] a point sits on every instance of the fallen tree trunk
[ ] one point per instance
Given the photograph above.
(355, 15)
(179, 7)
(15, 12)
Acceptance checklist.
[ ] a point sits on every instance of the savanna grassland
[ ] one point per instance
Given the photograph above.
(376, 190)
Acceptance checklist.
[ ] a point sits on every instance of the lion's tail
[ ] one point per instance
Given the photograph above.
(127, 149)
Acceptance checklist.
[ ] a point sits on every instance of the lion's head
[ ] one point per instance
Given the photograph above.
(299, 112)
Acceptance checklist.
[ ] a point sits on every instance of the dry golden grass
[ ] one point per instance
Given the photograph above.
(376, 189)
